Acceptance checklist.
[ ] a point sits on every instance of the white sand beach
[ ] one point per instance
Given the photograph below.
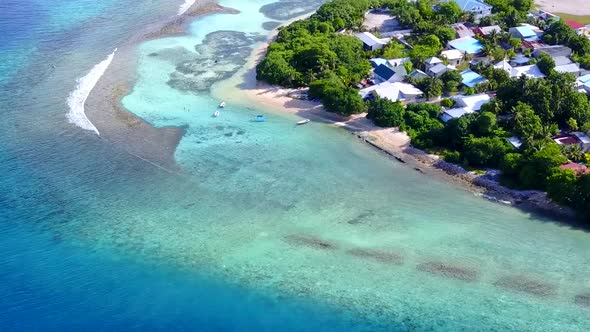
(572, 7)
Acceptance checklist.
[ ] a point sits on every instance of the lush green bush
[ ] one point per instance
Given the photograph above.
(385, 113)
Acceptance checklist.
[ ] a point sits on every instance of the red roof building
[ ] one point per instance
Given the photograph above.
(574, 24)
(577, 168)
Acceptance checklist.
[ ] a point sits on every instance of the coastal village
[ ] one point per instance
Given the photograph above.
(467, 82)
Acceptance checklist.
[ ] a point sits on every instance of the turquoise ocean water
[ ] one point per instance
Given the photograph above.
(267, 226)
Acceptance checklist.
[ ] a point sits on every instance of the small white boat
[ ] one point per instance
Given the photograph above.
(302, 122)
(216, 114)
(222, 105)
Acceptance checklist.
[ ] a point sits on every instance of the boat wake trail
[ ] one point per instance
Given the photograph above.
(77, 98)
(185, 6)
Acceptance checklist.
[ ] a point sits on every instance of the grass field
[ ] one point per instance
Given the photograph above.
(580, 19)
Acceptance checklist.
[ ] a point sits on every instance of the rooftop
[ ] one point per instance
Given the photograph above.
(569, 68)
(369, 39)
(469, 45)
(523, 32)
(385, 72)
(574, 24)
(471, 78)
(473, 102)
(454, 113)
(552, 51)
(515, 141)
(471, 5)
(489, 29)
(438, 68)
(531, 71)
(582, 137)
(392, 91)
(462, 30)
(577, 168)
(432, 61)
(452, 54)
(566, 139)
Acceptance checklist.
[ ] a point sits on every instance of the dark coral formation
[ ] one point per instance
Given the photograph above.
(270, 25)
(288, 9)
(526, 285)
(382, 256)
(447, 270)
(583, 299)
(309, 241)
(219, 57)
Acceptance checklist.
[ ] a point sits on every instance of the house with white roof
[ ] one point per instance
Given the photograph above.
(454, 113)
(371, 42)
(531, 71)
(438, 70)
(584, 140)
(454, 57)
(396, 91)
(464, 105)
(431, 62)
(473, 102)
(515, 141)
(477, 7)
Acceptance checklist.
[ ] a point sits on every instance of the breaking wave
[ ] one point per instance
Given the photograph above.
(77, 98)
(185, 6)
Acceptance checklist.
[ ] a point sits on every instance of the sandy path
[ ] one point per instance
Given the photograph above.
(573, 7)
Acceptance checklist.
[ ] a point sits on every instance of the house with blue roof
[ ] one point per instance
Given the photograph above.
(477, 7)
(385, 73)
(467, 45)
(471, 78)
(524, 33)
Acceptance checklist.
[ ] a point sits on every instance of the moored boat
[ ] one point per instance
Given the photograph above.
(302, 122)
(216, 114)
(222, 105)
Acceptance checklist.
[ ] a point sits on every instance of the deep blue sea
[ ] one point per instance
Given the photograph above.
(266, 227)
(48, 171)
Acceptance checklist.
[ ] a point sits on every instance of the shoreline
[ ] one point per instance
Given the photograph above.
(244, 89)
(118, 125)
(158, 145)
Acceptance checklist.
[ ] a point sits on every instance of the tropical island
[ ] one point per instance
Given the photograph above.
(484, 85)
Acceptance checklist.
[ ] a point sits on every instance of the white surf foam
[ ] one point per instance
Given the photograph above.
(77, 98)
(185, 6)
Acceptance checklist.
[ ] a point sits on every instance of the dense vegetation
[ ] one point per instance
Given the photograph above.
(311, 53)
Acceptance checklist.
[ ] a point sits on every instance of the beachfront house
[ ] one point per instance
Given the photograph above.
(384, 73)
(471, 79)
(453, 57)
(467, 45)
(396, 91)
(476, 7)
(370, 42)
(530, 71)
